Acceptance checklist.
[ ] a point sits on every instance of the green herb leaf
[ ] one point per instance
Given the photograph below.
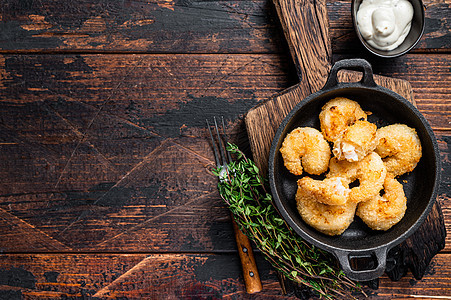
(246, 194)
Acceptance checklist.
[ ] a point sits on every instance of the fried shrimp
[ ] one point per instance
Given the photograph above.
(332, 191)
(336, 115)
(328, 219)
(358, 141)
(370, 172)
(400, 148)
(382, 212)
(305, 148)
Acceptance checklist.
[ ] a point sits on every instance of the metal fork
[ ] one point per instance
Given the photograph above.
(223, 158)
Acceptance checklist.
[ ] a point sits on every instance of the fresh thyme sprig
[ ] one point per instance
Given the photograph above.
(247, 196)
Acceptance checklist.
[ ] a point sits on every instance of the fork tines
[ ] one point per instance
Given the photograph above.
(221, 143)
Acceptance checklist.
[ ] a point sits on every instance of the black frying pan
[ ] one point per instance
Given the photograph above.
(420, 185)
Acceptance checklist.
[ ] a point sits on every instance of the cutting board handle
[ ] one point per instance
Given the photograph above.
(306, 27)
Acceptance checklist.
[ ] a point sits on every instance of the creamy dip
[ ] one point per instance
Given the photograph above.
(384, 24)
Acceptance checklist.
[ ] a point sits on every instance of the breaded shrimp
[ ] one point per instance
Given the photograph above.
(305, 148)
(400, 148)
(382, 212)
(336, 115)
(328, 219)
(358, 141)
(370, 172)
(332, 191)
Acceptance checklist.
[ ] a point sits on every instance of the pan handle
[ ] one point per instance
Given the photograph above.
(362, 275)
(367, 78)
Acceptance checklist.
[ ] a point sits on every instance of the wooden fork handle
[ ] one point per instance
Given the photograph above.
(250, 271)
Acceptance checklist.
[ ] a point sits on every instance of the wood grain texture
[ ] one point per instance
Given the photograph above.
(162, 26)
(128, 276)
(418, 250)
(308, 39)
(308, 46)
(248, 264)
(144, 220)
(139, 26)
(149, 276)
(104, 159)
(99, 157)
(128, 82)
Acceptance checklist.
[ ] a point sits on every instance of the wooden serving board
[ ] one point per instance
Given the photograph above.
(305, 25)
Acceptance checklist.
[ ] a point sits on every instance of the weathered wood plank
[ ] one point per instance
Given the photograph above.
(220, 82)
(161, 26)
(108, 152)
(148, 26)
(145, 211)
(436, 277)
(131, 276)
(165, 79)
(308, 40)
(57, 119)
(176, 276)
(129, 149)
(310, 44)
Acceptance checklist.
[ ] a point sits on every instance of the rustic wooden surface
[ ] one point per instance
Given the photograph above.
(105, 185)
(262, 122)
(417, 251)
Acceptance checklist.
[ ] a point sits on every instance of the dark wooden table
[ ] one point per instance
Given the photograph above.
(105, 186)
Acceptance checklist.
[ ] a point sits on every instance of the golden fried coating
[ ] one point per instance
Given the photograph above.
(370, 172)
(358, 141)
(332, 191)
(305, 148)
(336, 115)
(400, 148)
(328, 219)
(366, 160)
(382, 212)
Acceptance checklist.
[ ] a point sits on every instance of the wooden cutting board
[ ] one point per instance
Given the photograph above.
(305, 25)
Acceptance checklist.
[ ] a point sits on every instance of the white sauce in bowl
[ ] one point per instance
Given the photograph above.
(384, 24)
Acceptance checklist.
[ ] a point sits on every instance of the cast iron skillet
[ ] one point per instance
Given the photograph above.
(420, 185)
